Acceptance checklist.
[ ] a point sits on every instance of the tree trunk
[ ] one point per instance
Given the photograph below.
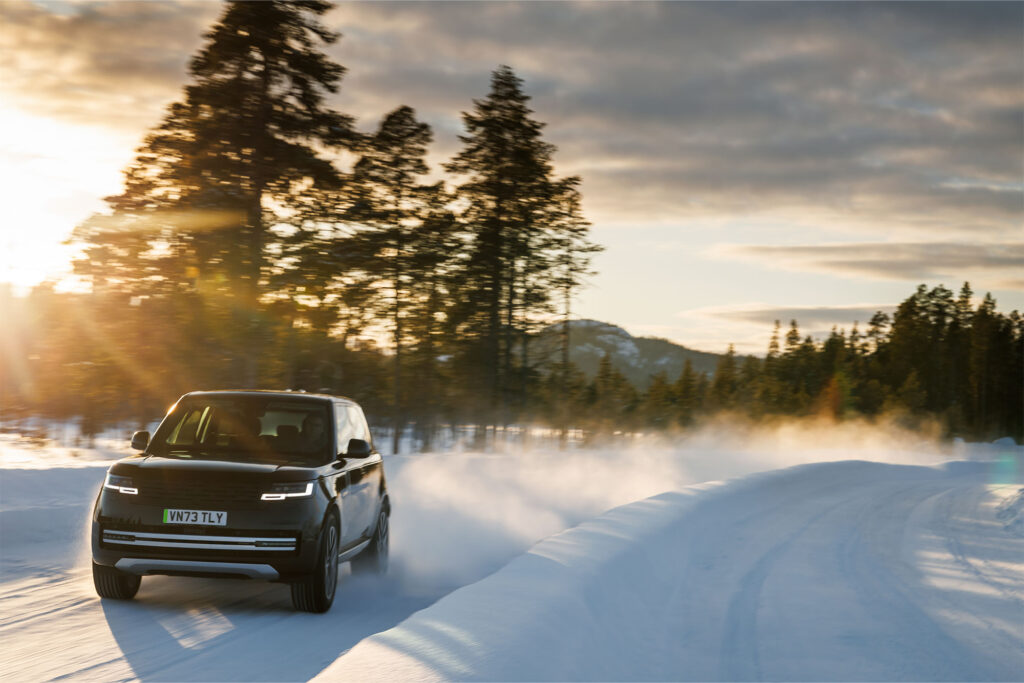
(493, 348)
(399, 422)
(523, 384)
(563, 432)
(510, 308)
(430, 368)
(253, 346)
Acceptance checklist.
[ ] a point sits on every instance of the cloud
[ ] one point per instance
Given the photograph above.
(911, 261)
(889, 117)
(1016, 284)
(815, 316)
(112, 63)
(881, 117)
(748, 326)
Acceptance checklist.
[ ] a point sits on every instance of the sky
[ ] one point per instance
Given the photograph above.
(741, 162)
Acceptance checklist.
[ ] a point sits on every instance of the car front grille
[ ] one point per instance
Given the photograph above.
(199, 495)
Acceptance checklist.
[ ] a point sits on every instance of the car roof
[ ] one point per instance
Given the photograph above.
(283, 393)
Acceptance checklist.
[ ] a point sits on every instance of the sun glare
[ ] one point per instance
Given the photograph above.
(54, 175)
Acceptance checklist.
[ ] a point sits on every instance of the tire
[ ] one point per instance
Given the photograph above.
(114, 583)
(374, 560)
(315, 593)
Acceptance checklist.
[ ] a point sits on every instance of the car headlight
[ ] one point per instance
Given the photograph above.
(282, 491)
(118, 483)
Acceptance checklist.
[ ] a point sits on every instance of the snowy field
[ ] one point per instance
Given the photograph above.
(840, 554)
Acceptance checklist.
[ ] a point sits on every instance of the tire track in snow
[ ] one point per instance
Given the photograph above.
(739, 659)
(949, 508)
(869, 560)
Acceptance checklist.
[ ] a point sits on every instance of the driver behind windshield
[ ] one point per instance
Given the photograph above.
(314, 432)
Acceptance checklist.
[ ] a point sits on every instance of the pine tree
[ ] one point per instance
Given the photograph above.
(573, 252)
(726, 381)
(748, 386)
(614, 398)
(964, 307)
(687, 399)
(229, 164)
(388, 205)
(659, 403)
(508, 191)
(877, 330)
(767, 396)
(428, 308)
(792, 338)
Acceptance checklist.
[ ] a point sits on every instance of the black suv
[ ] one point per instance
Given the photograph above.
(280, 486)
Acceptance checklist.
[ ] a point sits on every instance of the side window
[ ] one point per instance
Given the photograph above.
(359, 428)
(184, 433)
(343, 425)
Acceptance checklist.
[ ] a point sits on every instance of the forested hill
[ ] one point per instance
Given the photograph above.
(638, 358)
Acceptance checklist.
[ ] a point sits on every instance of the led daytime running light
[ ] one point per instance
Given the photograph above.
(281, 496)
(109, 484)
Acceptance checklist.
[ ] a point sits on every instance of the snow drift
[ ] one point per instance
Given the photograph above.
(820, 572)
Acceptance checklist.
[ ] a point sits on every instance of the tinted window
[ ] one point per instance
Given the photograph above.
(359, 429)
(343, 426)
(251, 428)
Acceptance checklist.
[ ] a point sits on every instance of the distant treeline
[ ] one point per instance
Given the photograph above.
(100, 359)
(937, 358)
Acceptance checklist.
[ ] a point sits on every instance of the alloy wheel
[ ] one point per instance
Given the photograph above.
(331, 562)
(382, 536)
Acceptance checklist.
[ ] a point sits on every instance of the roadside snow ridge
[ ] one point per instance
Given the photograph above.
(832, 571)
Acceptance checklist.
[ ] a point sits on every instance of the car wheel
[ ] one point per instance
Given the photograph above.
(315, 593)
(374, 559)
(114, 583)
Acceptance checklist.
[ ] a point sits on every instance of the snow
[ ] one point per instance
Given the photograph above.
(15, 455)
(838, 570)
(1011, 514)
(623, 343)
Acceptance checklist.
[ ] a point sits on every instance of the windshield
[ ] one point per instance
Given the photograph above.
(247, 428)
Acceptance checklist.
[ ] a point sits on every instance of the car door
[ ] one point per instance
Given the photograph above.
(370, 469)
(347, 480)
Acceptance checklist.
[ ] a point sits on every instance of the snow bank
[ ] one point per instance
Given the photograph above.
(460, 516)
(20, 452)
(598, 602)
(538, 617)
(1011, 513)
(44, 517)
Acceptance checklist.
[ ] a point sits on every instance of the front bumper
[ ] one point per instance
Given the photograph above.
(147, 540)
(275, 540)
(143, 566)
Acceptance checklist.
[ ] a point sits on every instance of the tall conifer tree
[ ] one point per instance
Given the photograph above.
(508, 190)
(390, 206)
(229, 163)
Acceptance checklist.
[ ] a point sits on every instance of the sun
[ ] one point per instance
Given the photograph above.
(55, 174)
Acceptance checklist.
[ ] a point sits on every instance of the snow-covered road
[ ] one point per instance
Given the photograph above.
(831, 571)
(838, 571)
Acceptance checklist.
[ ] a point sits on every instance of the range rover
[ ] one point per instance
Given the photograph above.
(273, 485)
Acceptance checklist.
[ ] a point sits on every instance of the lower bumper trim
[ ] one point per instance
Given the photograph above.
(140, 566)
(152, 540)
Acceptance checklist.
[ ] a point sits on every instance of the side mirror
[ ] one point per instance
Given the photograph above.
(358, 448)
(140, 440)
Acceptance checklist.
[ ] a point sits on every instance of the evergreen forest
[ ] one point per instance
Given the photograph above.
(262, 240)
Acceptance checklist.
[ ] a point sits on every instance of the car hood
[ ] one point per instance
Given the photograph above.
(159, 466)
